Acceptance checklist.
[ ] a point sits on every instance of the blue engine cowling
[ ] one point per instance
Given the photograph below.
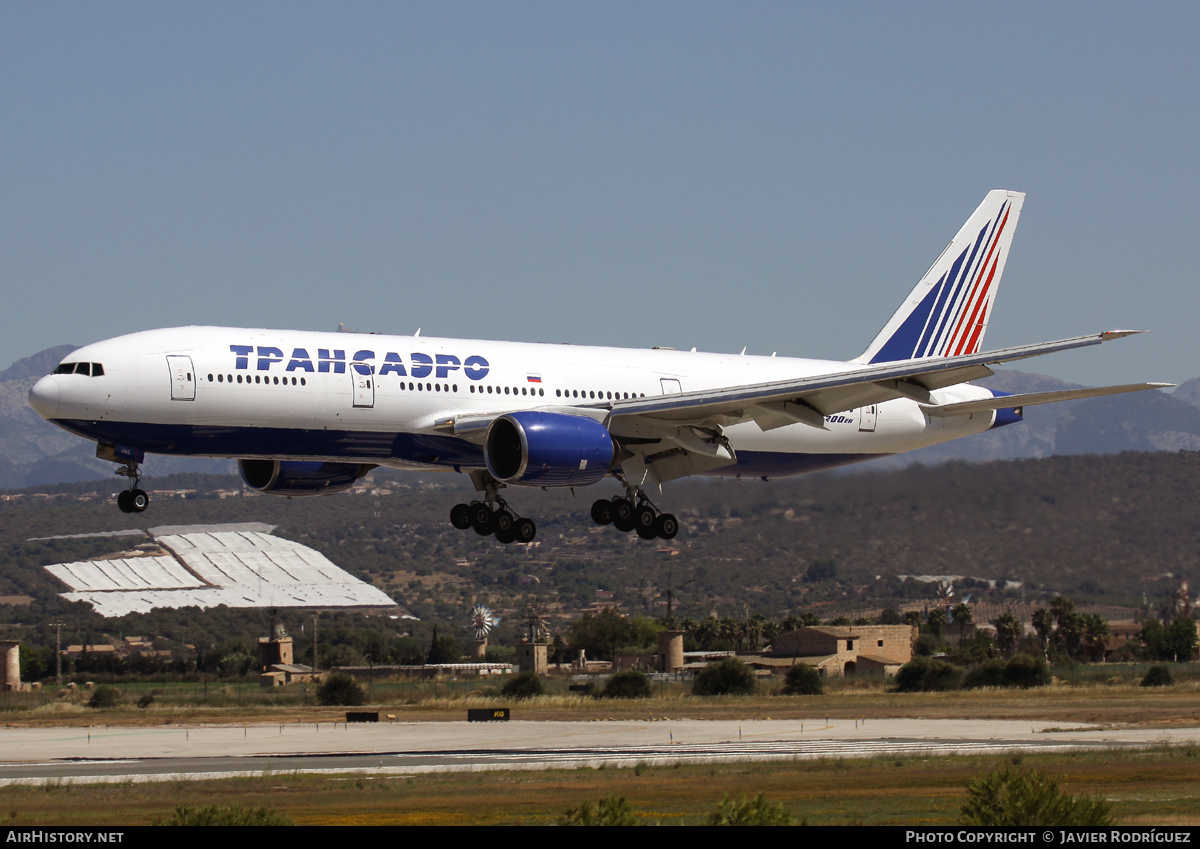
(548, 449)
(299, 477)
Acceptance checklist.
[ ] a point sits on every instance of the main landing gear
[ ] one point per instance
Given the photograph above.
(634, 512)
(492, 516)
(498, 519)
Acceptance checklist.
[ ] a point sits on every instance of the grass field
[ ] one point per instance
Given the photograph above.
(1154, 787)
(1159, 786)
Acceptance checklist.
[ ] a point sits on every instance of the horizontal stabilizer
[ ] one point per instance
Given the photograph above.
(1004, 402)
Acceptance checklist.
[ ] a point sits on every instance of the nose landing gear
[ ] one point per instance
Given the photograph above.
(132, 500)
(128, 460)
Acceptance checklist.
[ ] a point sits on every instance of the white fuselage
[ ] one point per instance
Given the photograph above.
(355, 398)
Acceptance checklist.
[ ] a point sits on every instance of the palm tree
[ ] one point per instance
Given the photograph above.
(1095, 632)
(963, 616)
(1009, 631)
(1043, 623)
(937, 621)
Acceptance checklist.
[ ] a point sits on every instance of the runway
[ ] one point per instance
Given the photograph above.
(84, 755)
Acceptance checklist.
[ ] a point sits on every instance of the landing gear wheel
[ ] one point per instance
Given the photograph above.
(643, 520)
(525, 530)
(506, 535)
(460, 516)
(622, 514)
(123, 501)
(646, 533)
(482, 520)
(504, 521)
(666, 526)
(602, 512)
(138, 500)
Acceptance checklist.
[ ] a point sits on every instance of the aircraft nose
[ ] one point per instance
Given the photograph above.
(44, 396)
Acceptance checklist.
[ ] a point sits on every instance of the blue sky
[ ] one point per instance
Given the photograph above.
(770, 175)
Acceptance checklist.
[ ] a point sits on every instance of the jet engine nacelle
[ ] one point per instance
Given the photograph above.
(298, 477)
(548, 449)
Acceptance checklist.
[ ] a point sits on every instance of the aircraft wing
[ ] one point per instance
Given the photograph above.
(670, 436)
(809, 399)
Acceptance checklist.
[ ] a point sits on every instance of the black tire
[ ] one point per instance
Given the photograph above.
(646, 533)
(643, 517)
(666, 526)
(506, 536)
(504, 521)
(602, 512)
(138, 500)
(622, 514)
(460, 516)
(526, 530)
(481, 519)
(123, 499)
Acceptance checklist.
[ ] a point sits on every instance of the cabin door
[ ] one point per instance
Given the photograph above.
(363, 377)
(183, 378)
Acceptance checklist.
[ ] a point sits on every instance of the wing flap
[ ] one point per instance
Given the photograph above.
(1003, 402)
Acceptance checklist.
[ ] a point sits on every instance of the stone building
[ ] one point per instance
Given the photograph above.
(848, 650)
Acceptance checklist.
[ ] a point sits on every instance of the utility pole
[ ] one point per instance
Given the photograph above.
(57, 625)
(314, 639)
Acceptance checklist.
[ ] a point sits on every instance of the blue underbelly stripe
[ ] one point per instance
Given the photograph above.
(371, 446)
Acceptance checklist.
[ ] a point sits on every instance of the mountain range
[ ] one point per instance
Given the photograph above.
(34, 452)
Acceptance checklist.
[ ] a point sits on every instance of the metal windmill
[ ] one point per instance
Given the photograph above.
(482, 622)
(535, 621)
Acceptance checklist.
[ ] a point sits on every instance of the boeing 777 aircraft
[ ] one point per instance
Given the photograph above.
(305, 414)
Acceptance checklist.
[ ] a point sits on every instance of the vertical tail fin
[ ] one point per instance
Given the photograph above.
(947, 313)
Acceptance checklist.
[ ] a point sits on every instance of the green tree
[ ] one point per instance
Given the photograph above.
(802, 680)
(104, 696)
(725, 677)
(1157, 676)
(524, 686)
(611, 810)
(630, 684)
(937, 620)
(340, 689)
(601, 634)
(756, 811)
(1043, 624)
(1007, 799)
(821, 570)
(1009, 631)
(963, 616)
(923, 674)
(1095, 636)
(444, 650)
(1025, 670)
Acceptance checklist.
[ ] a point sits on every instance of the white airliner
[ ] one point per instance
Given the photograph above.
(310, 413)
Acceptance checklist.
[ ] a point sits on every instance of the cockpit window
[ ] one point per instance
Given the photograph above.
(89, 369)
